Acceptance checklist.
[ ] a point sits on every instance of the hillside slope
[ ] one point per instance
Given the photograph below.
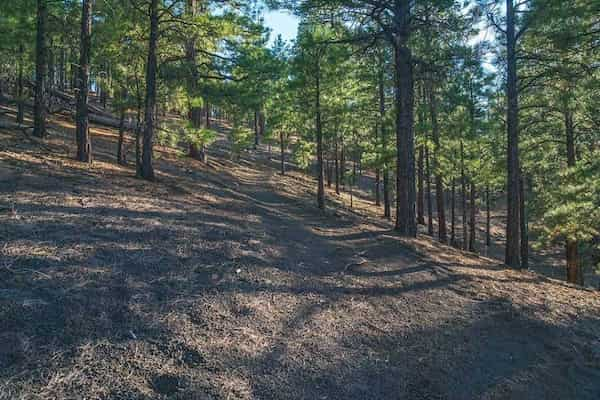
(225, 282)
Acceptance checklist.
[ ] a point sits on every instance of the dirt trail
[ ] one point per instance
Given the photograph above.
(225, 282)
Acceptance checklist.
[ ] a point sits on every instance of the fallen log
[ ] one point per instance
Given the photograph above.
(109, 122)
(103, 118)
(4, 124)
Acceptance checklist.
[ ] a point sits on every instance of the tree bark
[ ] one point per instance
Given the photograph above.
(73, 70)
(261, 123)
(39, 108)
(104, 88)
(472, 222)
(387, 206)
(120, 145)
(574, 272)
(377, 187)
(282, 148)
(512, 120)
(428, 194)
(62, 69)
(20, 88)
(420, 190)
(321, 188)
(524, 228)
(205, 117)
(256, 134)
(343, 164)
(406, 223)
(150, 106)
(51, 64)
(463, 179)
(82, 131)
(453, 213)
(488, 235)
(195, 112)
(439, 185)
(337, 166)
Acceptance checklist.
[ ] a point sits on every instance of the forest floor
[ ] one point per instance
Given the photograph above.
(225, 282)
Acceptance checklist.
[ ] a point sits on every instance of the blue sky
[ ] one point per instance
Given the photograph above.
(281, 23)
(285, 24)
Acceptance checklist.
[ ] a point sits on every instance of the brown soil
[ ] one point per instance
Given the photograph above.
(225, 282)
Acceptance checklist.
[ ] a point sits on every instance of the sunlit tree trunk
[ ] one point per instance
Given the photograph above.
(488, 235)
(453, 214)
(84, 143)
(463, 179)
(406, 223)
(472, 222)
(337, 166)
(343, 163)
(121, 144)
(439, 186)
(574, 272)
(387, 206)
(150, 106)
(282, 149)
(512, 123)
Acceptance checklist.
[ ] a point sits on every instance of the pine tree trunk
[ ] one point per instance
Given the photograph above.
(337, 166)
(524, 224)
(120, 153)
(439, 185)
(488, 235)
(104, 92)
(352, 183)
(328, 167)
(138, 139)
(195, 112)
(472, 222)
(463, 179)
(453, 213)
(420, 190)
(574, 272)
(73, 70)
(406, 222)
(282, 148)
(51, 65)
(570, 138)
(377, 187)
(255, 126)
(261, 124)
(62, 69)
(150, 106)
(39, 107)
(20, 88)
(343, 165)
(321, 188)
(428, 194)
(205, 117)
(387, 204)
(84, 144)
(512, 120)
